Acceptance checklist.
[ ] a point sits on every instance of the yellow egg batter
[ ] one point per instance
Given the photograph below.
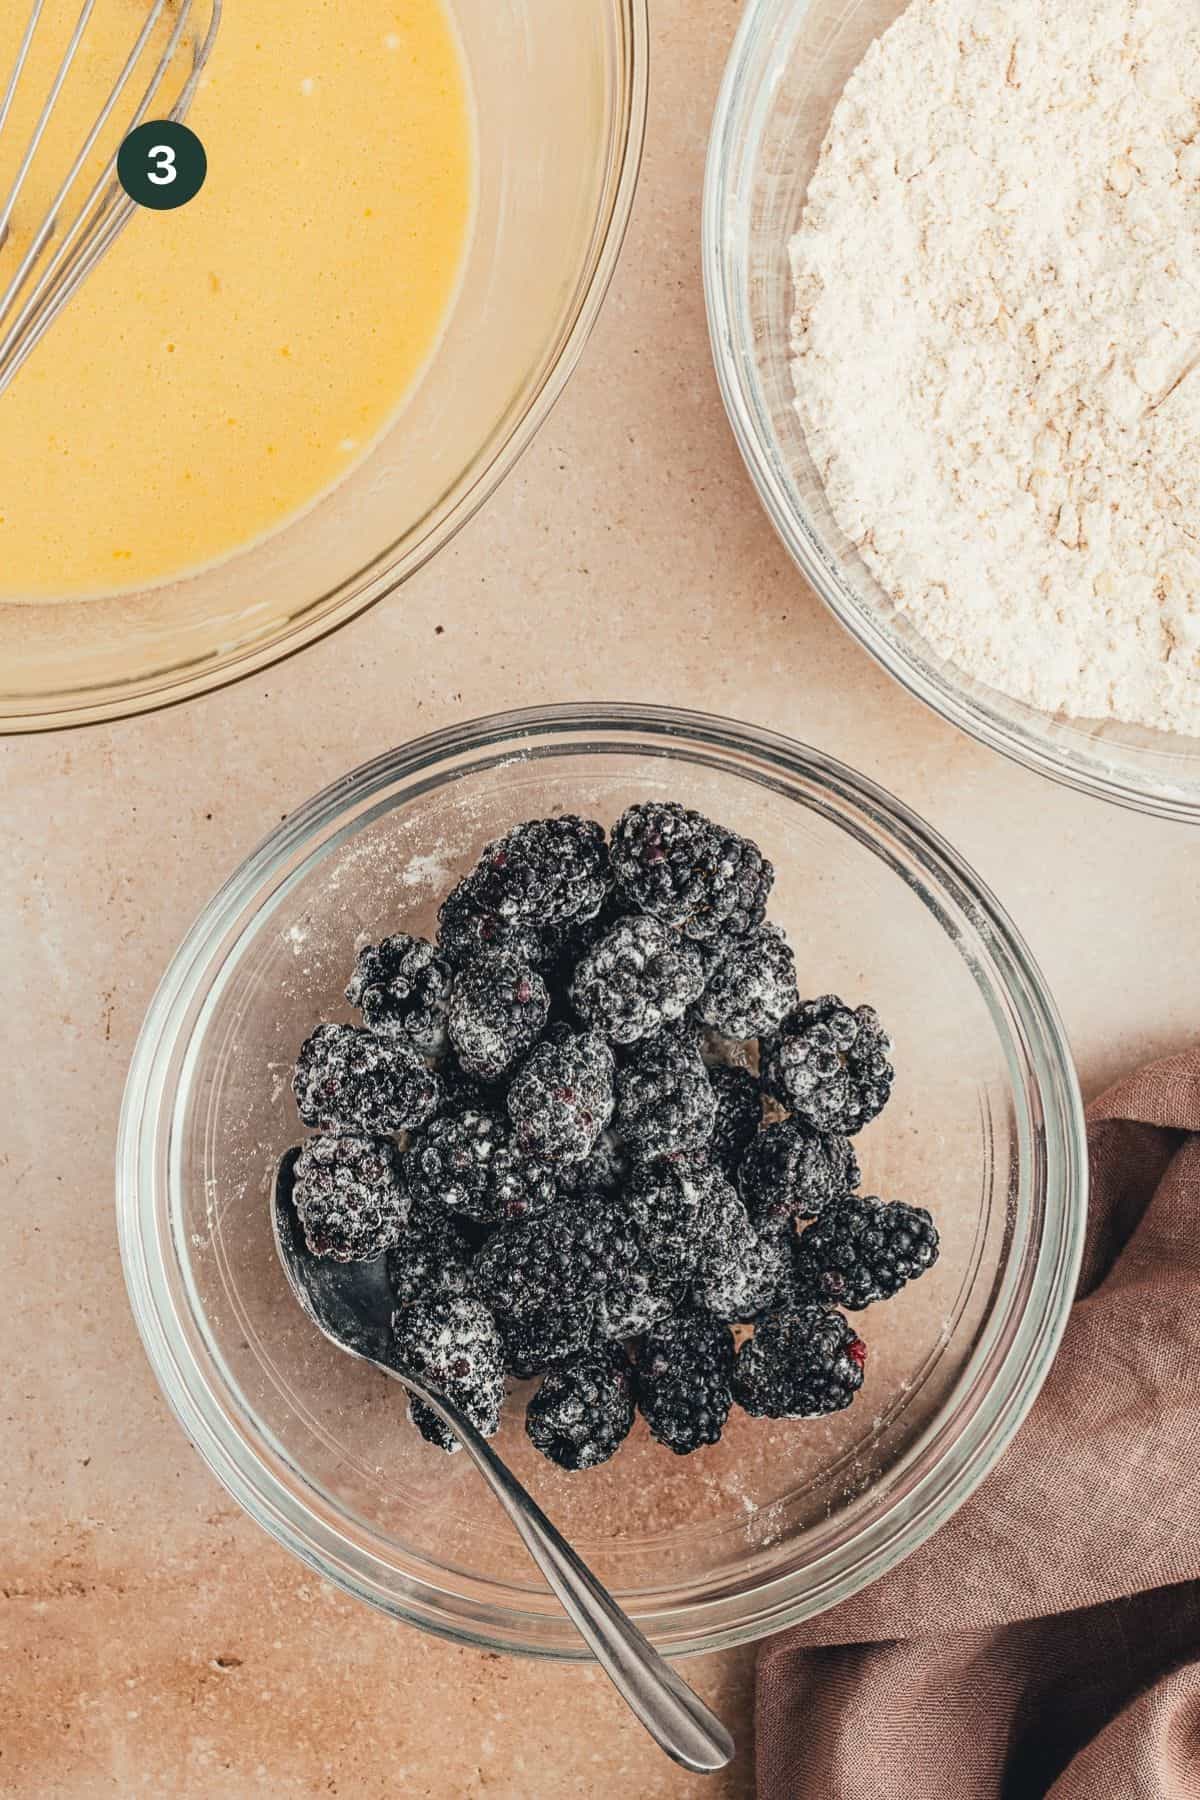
(231, 360)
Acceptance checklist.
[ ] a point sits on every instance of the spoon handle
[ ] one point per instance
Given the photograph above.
(676, 1718)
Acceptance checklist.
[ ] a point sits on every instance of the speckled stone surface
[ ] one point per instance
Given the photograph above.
(152, 1640)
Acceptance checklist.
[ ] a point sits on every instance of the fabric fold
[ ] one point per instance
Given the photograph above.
(1046, 1642)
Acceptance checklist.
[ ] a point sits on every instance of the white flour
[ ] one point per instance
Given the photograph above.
(997, 342)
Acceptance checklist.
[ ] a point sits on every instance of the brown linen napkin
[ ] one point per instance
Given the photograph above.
(1046, 1642)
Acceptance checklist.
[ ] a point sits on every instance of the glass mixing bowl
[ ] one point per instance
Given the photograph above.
(780, 1519)
(560, 104)
(789, 64)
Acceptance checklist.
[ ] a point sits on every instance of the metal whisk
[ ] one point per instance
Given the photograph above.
(77, 230)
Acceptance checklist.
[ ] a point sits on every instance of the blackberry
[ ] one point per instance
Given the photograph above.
(564, 946)
(572, 1253)
(547, 871)
(432, 1258)
(684, 1381)
(681, 868)
(462, 1088)
(630, 1306)
(345, 1079)
(583, 1412)
(753, 986)
(603, 1170)
(455, 1346)
(755, 1283)
(799, 1365)
(729, 1237)
(468, 928)
(665, 1100)
(561, 1098)
(792, 1172)
(450, 1164)
(537, 1341)
(862, 1250)
(402, 987)
(830, 1065)
(465, 1163)
(349, 1197)
(739, 1115)
(712, 953)
(640, 976)
(522, 1186)
(676, 1204)
(498, 1009)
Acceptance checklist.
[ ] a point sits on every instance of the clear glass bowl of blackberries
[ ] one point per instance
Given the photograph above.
(715, 1131)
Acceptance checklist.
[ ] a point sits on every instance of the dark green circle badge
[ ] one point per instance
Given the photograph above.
(162, 165)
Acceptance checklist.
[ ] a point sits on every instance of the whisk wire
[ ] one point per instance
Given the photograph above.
(33, 299)
(44, 117)
(18, 68)
(43, 236)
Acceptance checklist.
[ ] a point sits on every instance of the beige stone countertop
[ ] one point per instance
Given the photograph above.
(152, 1640)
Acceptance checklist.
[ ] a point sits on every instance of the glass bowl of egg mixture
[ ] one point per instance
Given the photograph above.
(780, 1518)
(958, 355)
(267, 408)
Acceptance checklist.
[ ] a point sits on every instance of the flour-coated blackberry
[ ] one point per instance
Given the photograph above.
(402, 988)
(449, 1164)
(680, 867)
(546, 871)
(350, 1197)
(753, 986)
(675, 1204)
(790, 1171)
(635, 1301)
(468, 927)
(561, 1098)
(640, 976)
(799, 1365)
(431, 1259)
(583, 1412)
(863, 1249)
(347, 1079)
(665, 1100)
(454, 1344)
(738, 1290)
(522, 1186)
(576, 1249)
(465, 1162)
(828, 1063)
(684, 1381)
(498, 1009)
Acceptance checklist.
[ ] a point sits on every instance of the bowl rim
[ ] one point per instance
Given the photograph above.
(730, 341)
(1020, 1350)
(512, 436)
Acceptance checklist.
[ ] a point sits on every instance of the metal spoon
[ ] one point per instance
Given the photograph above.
(352, 1305)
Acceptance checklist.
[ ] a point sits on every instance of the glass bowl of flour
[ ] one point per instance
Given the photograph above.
(951, 251)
